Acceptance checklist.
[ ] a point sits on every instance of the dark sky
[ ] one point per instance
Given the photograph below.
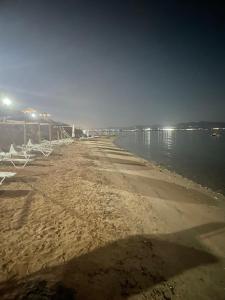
(108, 63)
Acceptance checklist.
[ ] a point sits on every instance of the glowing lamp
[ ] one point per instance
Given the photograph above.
(7, 102)
(33, 115)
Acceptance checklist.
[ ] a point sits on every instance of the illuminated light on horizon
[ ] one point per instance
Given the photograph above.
(168, 128)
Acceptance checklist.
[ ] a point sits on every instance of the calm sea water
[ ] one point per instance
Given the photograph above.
(194, 154)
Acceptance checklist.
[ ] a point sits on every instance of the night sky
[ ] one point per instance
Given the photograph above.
(115, 63)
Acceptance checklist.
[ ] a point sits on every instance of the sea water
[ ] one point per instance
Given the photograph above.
(195, 154)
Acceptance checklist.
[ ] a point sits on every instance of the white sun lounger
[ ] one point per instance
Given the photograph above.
(59, 142)
(14, 152)
(4, 175)
(46, 150)
(6, 157)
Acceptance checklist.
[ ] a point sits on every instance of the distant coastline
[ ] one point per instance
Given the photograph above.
(199, 125)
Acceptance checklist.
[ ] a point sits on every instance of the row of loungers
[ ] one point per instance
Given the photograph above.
(26, 153)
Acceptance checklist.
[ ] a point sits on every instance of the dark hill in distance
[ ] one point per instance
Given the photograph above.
(201, 124)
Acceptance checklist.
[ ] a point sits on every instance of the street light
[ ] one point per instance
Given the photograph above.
(30, 113)
(6, 101)
(33, 115)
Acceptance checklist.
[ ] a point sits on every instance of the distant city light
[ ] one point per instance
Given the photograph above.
(168, 128)
(7, 101)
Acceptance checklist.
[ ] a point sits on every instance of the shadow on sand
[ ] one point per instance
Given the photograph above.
(113, 149)
(115, 160)
(13, 193)
(119, 153)
(125, 267)
(37, 164)
(24, 213)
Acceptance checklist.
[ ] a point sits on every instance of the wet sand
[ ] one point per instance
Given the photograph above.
(109, 225)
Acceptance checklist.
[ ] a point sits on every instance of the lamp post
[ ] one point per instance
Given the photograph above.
(35, 116)
(45, 116)
(6, 103)
(29, 113)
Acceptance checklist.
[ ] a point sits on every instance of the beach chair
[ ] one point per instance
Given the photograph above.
(4, 175)
(46, 150)
(6, 157)
(51, 144)
(59, 142)
(15, 157)
(24, 154)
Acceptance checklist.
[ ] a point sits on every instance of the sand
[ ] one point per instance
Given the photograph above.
(96, 221)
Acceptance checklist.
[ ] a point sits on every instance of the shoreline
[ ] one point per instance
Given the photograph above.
(110, 225)
(173, 172)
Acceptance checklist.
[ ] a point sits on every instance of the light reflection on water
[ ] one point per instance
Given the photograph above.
(168, 139)
(147, 138)
(193, 154)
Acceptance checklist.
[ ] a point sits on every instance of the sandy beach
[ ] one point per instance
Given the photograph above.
(96, 221)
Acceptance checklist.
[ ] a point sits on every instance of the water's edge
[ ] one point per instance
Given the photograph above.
(207, 189)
